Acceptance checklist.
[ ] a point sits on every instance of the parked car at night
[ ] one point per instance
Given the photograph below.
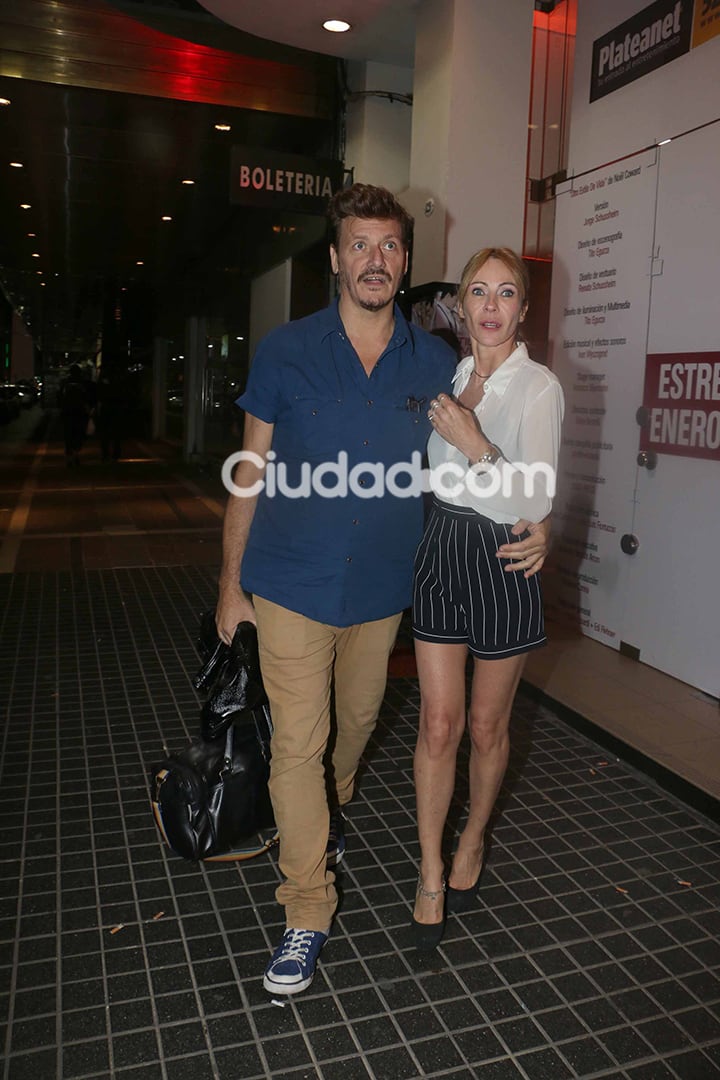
(29, 392)
(9, 403)
(175, 400)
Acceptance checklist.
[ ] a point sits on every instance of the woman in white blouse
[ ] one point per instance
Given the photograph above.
(493, 455)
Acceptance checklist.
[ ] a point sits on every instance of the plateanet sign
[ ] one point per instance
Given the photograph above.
(655, 36)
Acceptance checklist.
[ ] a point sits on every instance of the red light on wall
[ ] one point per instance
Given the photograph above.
(561, 20)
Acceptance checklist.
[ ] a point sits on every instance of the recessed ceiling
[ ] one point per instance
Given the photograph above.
(112, 105)
(101, 171)
(102, 167)
(382, 30)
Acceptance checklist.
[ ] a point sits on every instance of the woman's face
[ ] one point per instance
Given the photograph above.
(492, 307)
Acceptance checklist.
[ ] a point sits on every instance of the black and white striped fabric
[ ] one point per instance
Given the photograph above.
(462, 595)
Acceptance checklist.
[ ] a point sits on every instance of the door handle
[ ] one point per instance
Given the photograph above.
(629, 543)
(647, 459)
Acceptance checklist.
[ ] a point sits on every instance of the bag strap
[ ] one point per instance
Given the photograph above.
(263, 731)
(242, 856)
(227, 763)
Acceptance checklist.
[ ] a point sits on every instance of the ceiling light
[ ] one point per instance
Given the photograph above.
(25, 206)
(664, 142)
(4, 100)
(552, 127)
(16, 164)
(222, 127)
(187, 181)
(43, 283)
(32, 234)
(336, 26)
(166, 217)
(139, 263)
(36, 254)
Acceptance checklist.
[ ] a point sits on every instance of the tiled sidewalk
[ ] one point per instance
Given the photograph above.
(594, 953)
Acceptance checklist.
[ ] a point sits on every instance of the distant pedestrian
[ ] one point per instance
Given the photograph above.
(76, 400)
(114, 408)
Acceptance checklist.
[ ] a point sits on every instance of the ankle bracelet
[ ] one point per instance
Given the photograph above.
(430, 894)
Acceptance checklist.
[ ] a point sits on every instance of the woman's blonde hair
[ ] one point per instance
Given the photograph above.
(512, 260)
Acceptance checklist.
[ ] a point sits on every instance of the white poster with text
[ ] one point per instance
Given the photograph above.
(598, 332)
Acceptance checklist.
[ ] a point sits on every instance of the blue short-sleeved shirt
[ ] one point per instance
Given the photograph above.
(347, 559)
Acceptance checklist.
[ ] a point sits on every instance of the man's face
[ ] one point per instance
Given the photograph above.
(370, 261)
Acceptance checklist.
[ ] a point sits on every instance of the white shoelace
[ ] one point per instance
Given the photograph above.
(296, 945)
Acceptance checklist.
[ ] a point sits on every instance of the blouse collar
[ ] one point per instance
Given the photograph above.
(500, 379)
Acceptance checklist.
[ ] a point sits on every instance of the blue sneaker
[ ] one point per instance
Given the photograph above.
(292, 965)
(336, 838)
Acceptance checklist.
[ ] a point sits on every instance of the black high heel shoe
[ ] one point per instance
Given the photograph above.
(461, 900)
(427, 936)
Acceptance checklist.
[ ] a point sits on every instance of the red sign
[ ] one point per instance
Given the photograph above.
(682, 399)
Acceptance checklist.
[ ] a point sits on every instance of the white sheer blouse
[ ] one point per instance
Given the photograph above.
(520, 412)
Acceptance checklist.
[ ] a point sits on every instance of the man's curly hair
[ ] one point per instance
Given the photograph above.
(367, 201)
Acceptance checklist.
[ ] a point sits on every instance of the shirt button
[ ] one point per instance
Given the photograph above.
(349, 558)
(314, 412)
(356, 521)
(366, 442)
(369, 402)
(362, 481)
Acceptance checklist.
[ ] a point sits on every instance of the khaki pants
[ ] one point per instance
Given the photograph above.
(299, 658)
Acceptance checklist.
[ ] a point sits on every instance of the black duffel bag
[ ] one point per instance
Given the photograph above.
(211, 800)
(230, 674)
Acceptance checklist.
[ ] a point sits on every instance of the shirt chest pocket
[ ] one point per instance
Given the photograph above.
(403, 426)
(316, 427)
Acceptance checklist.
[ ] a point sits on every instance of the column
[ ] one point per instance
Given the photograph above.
(159, 388)
(379, 124)
(194, 388)
(469, 131)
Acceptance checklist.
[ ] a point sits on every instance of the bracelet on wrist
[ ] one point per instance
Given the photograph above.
(490, 457)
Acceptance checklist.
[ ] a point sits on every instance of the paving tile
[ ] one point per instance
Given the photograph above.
(555, 974)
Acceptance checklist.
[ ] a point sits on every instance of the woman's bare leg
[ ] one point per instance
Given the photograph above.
(494, 686)
(441, 671)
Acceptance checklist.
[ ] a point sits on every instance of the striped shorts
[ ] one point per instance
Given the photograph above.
(462, 595)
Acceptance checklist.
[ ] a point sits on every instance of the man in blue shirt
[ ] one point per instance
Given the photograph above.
(321, 530)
